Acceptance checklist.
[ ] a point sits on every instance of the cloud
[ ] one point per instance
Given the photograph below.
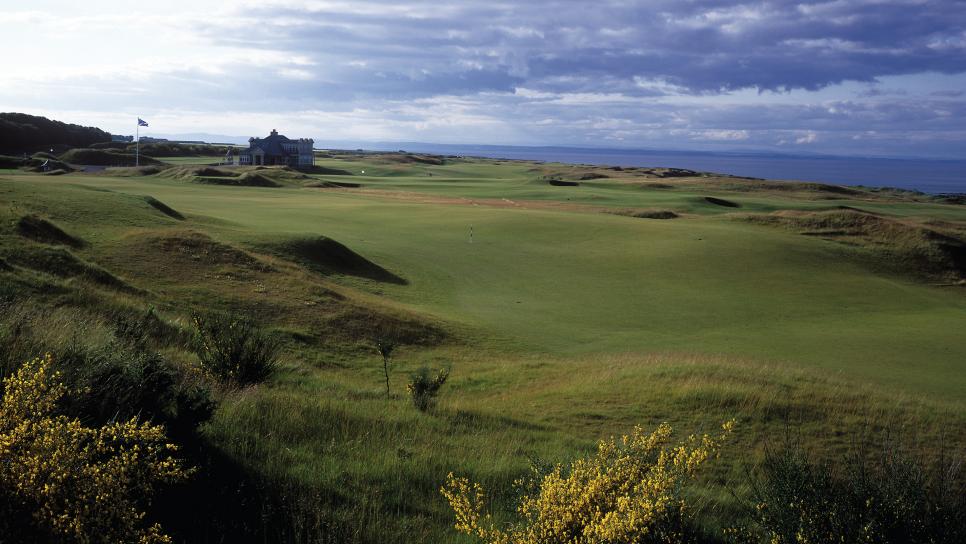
(720, 135)
(562, 46)
(870, 76)
(809, 137)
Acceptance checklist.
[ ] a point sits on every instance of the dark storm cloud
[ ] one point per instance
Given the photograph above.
(698, 46)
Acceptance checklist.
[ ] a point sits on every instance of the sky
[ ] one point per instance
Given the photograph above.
(847, 77)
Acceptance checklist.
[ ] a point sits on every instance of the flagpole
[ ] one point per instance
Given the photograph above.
(137, 144)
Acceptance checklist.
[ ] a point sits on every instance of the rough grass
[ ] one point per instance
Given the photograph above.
(41, 230)
(188, 173)
(905, 246)
(648, 214)
(125, 171)
(408, 158)
(492, 419)
(243, 176)
(201, 248)
(248, 179)
(105, 157)
(197, 271)
(61, 262)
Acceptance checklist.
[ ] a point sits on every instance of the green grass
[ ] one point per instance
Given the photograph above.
(562, 324)
(561, 282)
(195, 160)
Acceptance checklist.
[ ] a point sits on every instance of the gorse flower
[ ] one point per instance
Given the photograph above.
(629, 492)
(83, 484)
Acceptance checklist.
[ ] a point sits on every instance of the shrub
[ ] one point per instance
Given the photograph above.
(883, 497)
(81, 484)
(110, 372)
(131, 384)
(234, 349)
(423, 387)
(630, 491)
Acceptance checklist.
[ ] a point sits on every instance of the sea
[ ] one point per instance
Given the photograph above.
(936, 176)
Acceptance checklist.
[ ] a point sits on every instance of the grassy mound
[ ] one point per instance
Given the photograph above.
(959, 199)
(213, 172)
(333, 185)
(34, 163)
(324, 170)
(671, 173)
(248, 179)
(189, 173)
(930, 251)
(163, 208)
(10, 161)
(37, 165)
(245, 176)
(60, 262)
(752, 185)
(131, 171)
(191, 246)
(173, 149)
(283, 174)
(104, 157)
(411, 158)
(648, 214)
(721, 202)
(110, 145)
(329, 256)
(41, 230)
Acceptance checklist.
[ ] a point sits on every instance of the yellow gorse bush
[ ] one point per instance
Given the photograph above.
(83, 484)
(627, 493)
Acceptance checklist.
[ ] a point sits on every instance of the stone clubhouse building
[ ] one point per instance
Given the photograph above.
(277, 150)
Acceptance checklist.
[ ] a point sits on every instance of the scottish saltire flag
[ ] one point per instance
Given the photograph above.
(142, 122)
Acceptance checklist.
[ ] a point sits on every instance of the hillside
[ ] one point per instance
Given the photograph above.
(21, 132)
(587, 301)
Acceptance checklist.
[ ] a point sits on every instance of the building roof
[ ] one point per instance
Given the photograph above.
(272, 145)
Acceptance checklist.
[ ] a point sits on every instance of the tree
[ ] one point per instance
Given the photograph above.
(385, 345)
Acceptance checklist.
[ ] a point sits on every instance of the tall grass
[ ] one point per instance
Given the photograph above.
(879, 491)
(109, 365)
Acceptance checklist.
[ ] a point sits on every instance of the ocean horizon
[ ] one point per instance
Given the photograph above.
(935, 176)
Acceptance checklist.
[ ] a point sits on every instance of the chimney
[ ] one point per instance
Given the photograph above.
(274, 132)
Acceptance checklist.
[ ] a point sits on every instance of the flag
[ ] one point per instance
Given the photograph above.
(142, 122)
